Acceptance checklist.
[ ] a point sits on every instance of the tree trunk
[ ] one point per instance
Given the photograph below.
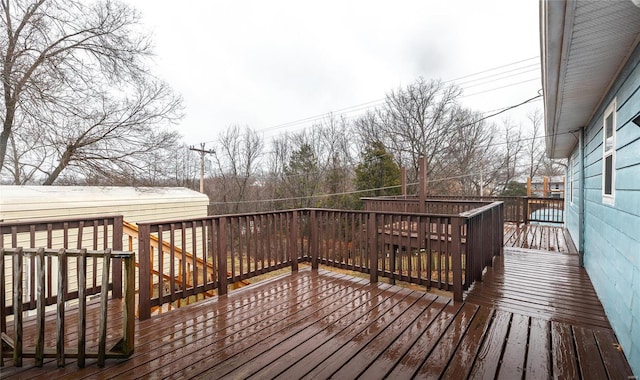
(64, 161)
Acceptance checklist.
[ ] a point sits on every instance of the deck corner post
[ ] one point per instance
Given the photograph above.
(144, 271)
(373, 247)
(222, 255)
(456, 258)
(500, 229)
(314, 240)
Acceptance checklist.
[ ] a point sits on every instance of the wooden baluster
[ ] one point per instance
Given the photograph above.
(294, 242)
(62, 292)
(456, 259)
(222, 255)
(17, 308)
(373, 248)
(40, 305)
(82, 307)
(104, 294)
(129, 305)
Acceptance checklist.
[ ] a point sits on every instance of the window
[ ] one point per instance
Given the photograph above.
(609, 154)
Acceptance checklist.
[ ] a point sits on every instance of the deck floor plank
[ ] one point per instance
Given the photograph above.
(565, 365)
(613, 359)
(589, 360)
(460, 365)
(488, 359)
(436, 363)
(539, 350)
(513, 358)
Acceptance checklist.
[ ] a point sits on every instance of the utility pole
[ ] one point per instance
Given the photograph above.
(202, 152)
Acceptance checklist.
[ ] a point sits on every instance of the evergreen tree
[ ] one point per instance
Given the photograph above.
(377, 171)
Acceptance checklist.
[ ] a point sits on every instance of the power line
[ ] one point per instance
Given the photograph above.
(352, 192)
(373, 103)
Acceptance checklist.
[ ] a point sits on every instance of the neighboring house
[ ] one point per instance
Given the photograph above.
(546, 187)
(591, 80)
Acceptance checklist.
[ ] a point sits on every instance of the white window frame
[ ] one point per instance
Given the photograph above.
(609, 151)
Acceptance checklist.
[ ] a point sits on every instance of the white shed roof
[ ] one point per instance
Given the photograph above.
(135, 203)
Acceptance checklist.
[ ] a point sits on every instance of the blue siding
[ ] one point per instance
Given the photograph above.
(572, 205)
(612, 232)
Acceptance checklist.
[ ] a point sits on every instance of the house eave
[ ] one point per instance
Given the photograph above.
(584, 45)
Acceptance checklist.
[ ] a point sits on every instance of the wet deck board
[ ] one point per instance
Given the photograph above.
(538, 236)
(319, 324)
(550, 286)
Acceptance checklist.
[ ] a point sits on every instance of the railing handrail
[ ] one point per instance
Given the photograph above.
(25, 225)
(479, 210)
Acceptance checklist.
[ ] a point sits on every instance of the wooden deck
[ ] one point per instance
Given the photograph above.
(319, 324)
(540, 284)
(538, 236)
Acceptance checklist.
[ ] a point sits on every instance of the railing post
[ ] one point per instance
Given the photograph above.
(294, 241)
(3, 317)
(104, 294)
(314, 240)
(116, 245)
(525, 210)
(17, 308)
(129, 322)
(222, 255)
(373, 247)
(144, 271)
(500, 228)
(456, 259)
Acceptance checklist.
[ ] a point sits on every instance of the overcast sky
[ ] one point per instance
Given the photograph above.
(266, 64)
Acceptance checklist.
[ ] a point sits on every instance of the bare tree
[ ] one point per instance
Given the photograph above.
(75, 73)
(471, 150)
(534, 146)
(236, 160)
(508, 163)
(415, 121)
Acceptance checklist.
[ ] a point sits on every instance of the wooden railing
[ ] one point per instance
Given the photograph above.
(43, 275)
(516, 209)
(434, 250)
(234, 248)
(443, 251)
